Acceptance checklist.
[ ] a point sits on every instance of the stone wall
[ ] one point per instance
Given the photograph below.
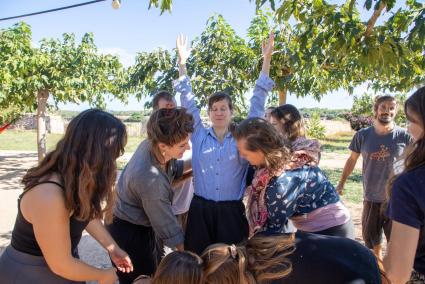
(54, 123)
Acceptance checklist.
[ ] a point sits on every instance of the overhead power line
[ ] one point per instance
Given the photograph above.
(52, 10)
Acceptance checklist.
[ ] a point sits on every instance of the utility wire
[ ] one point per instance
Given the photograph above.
(52, 10)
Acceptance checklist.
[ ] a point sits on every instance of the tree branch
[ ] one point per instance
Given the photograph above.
(372, 21)
(351, 7)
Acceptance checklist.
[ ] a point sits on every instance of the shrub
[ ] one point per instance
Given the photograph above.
(358, 122)
(314, 128)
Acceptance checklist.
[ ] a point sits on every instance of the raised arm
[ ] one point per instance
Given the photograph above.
(264, 84)
(182, 84)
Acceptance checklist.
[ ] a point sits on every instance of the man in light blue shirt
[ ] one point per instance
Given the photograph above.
(217, 213)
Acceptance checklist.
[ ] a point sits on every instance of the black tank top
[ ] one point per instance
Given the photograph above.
(23, 238)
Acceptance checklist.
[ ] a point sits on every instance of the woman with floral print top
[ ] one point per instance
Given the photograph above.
(284, 188)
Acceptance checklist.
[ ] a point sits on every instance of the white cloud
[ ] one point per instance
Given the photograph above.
(126, 58)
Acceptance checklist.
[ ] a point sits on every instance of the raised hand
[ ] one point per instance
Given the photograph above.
(267, 51)
(267, 47)
(182, 48)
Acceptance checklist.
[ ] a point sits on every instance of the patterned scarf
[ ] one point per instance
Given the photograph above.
(256, 206)
(304, 152)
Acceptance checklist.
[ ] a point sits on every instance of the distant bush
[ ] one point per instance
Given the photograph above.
(314, 127)
(136, 117)
(329, 114)
(358, 122)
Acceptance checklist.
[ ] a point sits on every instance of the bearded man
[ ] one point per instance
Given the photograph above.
(380, 146)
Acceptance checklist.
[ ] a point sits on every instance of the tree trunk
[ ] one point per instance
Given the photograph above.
(42, 97)
(282, 96)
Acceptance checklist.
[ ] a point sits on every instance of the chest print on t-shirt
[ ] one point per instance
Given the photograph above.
(381, 154)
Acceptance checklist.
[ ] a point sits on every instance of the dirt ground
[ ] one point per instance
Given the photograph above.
(14, 164)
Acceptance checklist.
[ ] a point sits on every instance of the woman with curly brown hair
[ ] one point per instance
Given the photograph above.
(284, 189)
(69, 191)
(293, 258)
(143, 209)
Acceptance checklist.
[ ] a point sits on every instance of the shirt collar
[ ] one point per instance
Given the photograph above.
(211, 132)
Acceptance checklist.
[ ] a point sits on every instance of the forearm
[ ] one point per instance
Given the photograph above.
(183, 87)
(182, 69)
(266, 65)
(74, 269)
(258, 100)
(98, 231)
(183, 179)
(393, 272)
(346, 172)
(401, 251)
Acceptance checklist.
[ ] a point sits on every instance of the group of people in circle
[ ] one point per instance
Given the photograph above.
(262, 209)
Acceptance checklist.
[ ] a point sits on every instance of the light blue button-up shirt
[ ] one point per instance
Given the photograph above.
(218, 170)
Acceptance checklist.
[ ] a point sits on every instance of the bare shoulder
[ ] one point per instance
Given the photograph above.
(44, 198)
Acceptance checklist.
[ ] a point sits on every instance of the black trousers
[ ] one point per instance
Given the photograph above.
(211, 222)
(139, 242)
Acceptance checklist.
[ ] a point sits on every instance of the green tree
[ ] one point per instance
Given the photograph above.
(327, 46)
(363, 104)
(62, 69)
(220, 61)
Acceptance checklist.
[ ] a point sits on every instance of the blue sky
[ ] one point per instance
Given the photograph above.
(133, 28)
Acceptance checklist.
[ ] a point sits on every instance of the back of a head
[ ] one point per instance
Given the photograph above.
(179, 267)
(292, 120)
(258, 260)
(226, 264)
(162, 95)
(268, 256)
(169, 126)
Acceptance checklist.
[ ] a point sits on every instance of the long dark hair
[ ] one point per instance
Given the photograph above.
(85, 160)
(414, 155)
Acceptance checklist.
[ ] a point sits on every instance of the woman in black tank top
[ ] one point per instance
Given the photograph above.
(69, 191)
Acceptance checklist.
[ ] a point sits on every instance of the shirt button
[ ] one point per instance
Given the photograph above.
(216, 174)
(216, 188)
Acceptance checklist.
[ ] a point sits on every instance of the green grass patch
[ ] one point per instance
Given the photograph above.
(26, 140)
(353, 189)
(337, 143)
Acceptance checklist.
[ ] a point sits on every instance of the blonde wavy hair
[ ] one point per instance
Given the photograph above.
(259, 260)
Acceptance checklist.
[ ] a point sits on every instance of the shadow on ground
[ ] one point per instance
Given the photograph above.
(12, 168)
